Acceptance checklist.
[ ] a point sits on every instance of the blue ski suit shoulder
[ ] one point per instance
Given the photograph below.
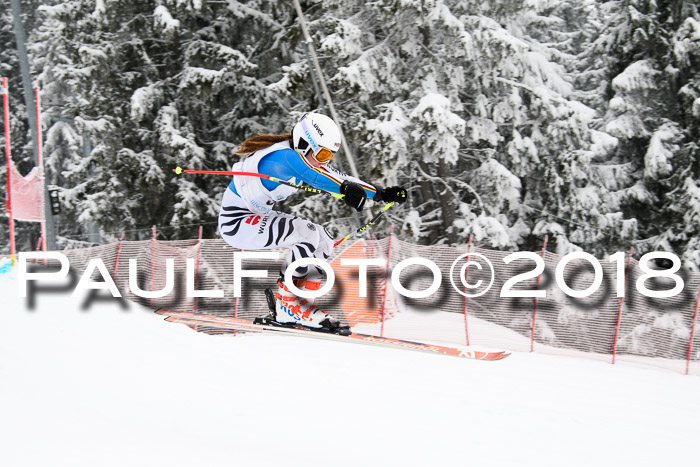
(287, 163)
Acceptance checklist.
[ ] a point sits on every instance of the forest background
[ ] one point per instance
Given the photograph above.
(507, 120)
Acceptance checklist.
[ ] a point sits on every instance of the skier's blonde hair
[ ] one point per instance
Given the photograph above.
(261, 141)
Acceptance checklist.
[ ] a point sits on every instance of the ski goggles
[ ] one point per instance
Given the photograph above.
(323, 155)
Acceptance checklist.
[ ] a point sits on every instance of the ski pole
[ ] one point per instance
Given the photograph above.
(366, 226)
(180, 170)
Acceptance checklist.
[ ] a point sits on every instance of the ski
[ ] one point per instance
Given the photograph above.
(240, 324)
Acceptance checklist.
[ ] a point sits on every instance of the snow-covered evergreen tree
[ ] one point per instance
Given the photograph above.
(26, 233)
(474, 105)
(153, 85)
(684, 196)
(653, 85)
(508, 120)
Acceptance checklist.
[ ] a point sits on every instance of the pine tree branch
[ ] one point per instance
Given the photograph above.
(458, 182)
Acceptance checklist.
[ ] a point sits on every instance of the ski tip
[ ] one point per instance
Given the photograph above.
(477, 354)
(495, 356)
(177, 170)
(502, 356)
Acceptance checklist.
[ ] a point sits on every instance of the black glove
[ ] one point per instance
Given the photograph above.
(393, 193)
(355, 195)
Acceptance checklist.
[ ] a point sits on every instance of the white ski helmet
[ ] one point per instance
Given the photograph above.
(317, 133)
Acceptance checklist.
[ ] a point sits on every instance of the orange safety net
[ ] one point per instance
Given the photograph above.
(642, 330)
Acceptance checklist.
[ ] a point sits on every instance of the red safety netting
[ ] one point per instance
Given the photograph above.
(638, 329)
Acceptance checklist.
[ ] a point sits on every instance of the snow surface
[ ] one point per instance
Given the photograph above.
(108, 387)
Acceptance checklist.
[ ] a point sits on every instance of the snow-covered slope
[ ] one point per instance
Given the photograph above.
(108, 387)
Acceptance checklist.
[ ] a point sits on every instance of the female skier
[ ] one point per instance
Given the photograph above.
(248, 222)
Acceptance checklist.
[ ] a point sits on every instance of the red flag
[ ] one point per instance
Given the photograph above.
(27, 195)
